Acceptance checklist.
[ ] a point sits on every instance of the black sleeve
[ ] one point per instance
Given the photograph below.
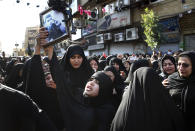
(54, 66)
(35, 77)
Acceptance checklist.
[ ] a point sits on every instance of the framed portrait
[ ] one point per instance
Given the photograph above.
(55, 22)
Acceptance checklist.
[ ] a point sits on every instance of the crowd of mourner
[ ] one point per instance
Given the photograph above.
(121, 92)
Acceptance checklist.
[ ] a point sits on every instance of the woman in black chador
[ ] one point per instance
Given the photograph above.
(71, 75)
(98, 91)
(147, 106)
(39, 90)
(181, 87)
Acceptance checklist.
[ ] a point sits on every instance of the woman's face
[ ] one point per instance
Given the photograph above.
(127, 66)
(92, 88)
(116, 66)
(76, 61)
(168, 67)
(50, 82)
(184, 67)
(94, 65)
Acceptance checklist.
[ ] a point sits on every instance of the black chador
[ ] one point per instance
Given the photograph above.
(134, 66)
(44, 96)
(147, 106)
(70, 84)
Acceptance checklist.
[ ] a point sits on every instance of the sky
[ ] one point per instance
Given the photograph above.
(14, 18)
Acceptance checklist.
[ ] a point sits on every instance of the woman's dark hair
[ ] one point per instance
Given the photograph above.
(117, 61)
(168, 57)
(93, 58)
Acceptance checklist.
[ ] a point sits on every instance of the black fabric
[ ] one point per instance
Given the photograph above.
(70, 83)
(103, 117)
(10, 65)
(25, 74)
(13, 79)
(147, 106)
(19, 113)
(44, 96)
(3, 62)
(102, 65)
(155, 65)
(109, 58)
(46, 59)
(134, 66)
(182, 90)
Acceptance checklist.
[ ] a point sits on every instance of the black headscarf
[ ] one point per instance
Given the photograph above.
(166, 57)
(118, 81)
(95, 59)
(119, 62)
(102, 64)
(109, 58)
(103, 109)
(155, 65)
(147, 106)
(13, 79)
(134, 66)
(118, 85)
(78, 77)
(182, 91)
(105, 88)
